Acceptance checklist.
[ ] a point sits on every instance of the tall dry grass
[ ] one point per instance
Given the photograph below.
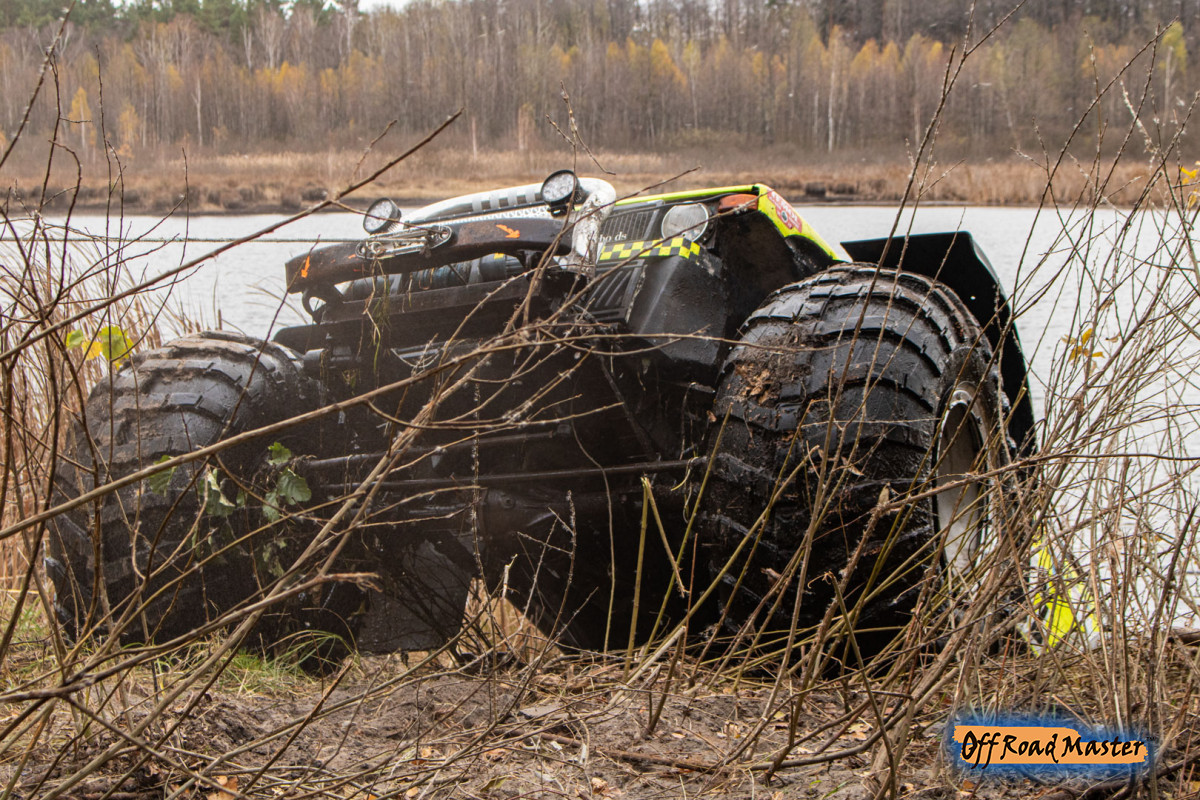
(1108, 504)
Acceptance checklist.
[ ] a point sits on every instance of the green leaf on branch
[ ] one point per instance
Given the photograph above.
(215, 502)
(292, 488)
(114, 344)
(160, 482)
(278, 455)
(110, 342)
(271, 507)
(268, 558)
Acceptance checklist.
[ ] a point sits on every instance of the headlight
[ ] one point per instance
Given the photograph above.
(559, 190)
(381, 216)
(686, 219)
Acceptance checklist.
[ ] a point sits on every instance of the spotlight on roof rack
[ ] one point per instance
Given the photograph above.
(381, 216)
(559, 191)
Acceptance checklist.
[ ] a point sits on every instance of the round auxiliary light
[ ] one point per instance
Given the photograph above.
(559, 189)
(686, 219)
(381, 216)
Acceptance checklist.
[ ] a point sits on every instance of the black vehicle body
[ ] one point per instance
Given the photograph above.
(544, 391)
(656, 320)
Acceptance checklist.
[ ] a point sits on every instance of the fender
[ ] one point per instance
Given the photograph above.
(956, 260)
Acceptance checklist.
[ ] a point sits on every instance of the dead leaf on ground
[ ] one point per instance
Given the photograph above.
(229, 787)
(603, 789)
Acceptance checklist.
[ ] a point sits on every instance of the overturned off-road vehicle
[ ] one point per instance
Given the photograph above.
(620, 413)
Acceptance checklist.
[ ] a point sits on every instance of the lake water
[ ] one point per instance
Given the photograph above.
(243, 289)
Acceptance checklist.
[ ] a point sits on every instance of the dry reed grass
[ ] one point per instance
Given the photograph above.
(219, 182)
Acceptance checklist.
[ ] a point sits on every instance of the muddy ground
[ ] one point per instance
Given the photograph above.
(563, 728)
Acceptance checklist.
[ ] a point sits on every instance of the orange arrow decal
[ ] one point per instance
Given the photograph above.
(509, 232)
(304, 272)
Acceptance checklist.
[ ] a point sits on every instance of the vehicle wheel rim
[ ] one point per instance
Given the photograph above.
(962, 498)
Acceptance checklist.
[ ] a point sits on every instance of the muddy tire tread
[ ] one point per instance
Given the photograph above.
(908, 329)
(188, 394)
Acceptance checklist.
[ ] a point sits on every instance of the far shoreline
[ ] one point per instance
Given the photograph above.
(288, 183)
(356, 206)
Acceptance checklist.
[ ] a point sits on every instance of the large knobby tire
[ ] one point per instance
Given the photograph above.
(848, 392)
(154, 553)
